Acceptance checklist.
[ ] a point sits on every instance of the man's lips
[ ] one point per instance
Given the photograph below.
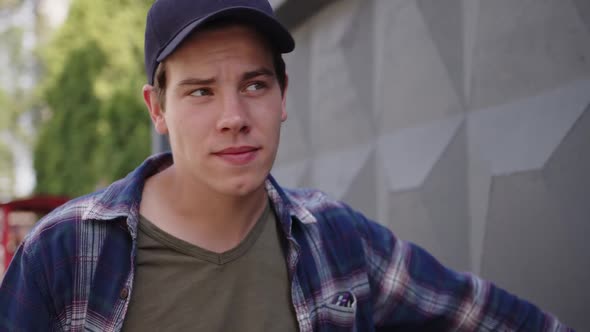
(236, 150)
(239, 155)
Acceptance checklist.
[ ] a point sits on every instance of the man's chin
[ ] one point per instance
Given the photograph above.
(242, 187)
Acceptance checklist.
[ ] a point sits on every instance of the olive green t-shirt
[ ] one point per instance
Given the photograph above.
(181, 287)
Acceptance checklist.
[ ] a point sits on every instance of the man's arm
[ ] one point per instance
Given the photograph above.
(22, 304)
(413, 291)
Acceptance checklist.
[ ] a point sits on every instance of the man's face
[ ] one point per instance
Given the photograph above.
(223, 110)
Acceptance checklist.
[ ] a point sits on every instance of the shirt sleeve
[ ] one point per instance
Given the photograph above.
(412, 291)
(22, 304)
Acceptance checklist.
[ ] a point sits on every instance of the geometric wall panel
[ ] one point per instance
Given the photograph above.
(479, 179)
(522, 135)
(409, 219)
(464, 126)
(435, 214)
(445, 195)
(292, 165)
(334, 172)
(362, 189)
(330, 75)
(407, 63)
(470, 11)
(583, 7)
(526, 47)
(568, 177)
(354, 44)
(291, 175)
(530, 245)
(445, 24)
(295, 143)
(410, 154)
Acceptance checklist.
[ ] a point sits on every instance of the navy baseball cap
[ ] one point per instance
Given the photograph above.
(170, 22)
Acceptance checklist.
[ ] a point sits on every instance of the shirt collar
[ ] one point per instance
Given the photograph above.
(287, 206)
(122, 198)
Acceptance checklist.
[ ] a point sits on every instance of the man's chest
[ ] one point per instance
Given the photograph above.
(178, 286)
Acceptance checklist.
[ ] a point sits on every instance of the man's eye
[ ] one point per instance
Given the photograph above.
(201, 92)
(255, 86)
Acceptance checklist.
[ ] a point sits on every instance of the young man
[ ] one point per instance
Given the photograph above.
(204, 239)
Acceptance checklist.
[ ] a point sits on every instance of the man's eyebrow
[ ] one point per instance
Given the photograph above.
(197, 81)
(246, 76)
(258, 72)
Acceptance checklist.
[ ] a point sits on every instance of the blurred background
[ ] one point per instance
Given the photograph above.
(463, 125)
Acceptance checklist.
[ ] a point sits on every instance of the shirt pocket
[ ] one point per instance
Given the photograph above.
(339, 310)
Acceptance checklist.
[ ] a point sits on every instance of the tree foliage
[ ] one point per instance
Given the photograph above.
(15, 99)
(98, 129)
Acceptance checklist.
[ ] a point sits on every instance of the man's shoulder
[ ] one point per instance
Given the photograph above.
(321, 210)
(119, 199)
(70, 220)
(314, 200)
(61, 219)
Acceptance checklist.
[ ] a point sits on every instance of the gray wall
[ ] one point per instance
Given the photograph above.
(464, 126)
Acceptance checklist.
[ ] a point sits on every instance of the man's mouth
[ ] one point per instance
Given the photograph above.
(238, 155)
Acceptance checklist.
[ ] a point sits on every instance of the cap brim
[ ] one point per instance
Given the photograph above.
(277, 34)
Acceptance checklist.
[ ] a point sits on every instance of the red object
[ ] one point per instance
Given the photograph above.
(38, 204)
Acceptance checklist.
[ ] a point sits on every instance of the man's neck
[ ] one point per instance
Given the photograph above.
(197, 214)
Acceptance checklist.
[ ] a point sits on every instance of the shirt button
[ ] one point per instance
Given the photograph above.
(124, 293)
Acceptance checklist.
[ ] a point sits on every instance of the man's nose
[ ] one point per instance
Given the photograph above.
(234, 115)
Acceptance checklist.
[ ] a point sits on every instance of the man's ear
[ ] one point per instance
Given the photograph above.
(284, 101)
(152, 101)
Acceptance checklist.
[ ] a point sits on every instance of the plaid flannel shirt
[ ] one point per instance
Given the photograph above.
(75, 270)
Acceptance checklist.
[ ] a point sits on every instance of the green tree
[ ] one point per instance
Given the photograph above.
(15, 99)
(98, 129)
(6, 158)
